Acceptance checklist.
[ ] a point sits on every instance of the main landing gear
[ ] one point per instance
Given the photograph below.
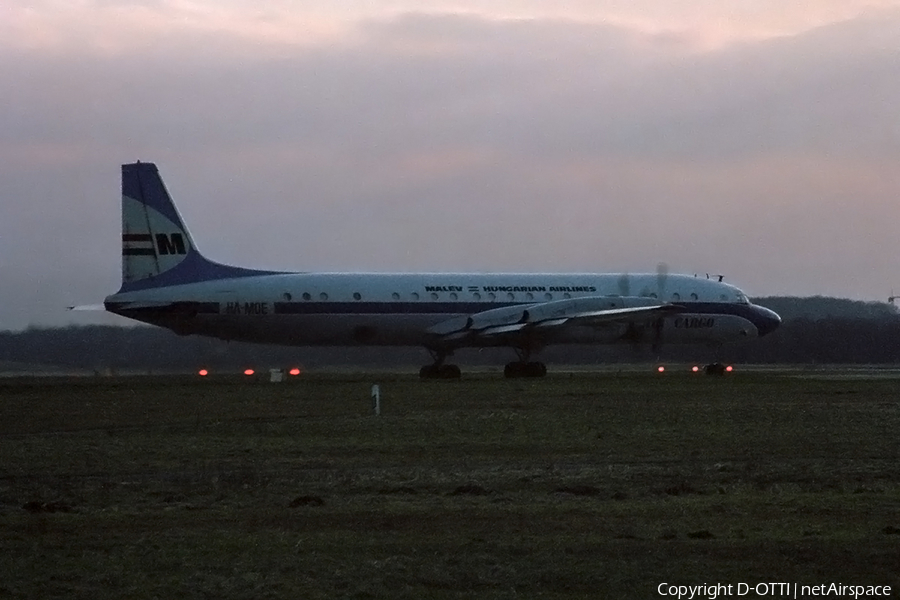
(523, 367)
(439, 370)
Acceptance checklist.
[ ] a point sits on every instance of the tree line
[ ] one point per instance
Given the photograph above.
(814, 330)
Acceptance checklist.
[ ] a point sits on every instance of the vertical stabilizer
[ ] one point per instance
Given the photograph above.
(157, 249)
(154, 239)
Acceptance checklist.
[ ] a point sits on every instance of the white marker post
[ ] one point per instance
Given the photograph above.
(376, 399)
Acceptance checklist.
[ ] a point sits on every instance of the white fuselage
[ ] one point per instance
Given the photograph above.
(396, 309)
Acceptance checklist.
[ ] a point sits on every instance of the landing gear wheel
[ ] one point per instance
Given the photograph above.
(524, 369)
(440, 372)
(449, 372)
(714, 369)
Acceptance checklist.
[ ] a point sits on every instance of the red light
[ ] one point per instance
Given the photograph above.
(249, 372)
(695, 369)
(202, 372)
(729, 368)
(295, 371)
(661, 369)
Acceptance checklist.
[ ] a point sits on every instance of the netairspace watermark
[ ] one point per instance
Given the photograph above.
(711, 591)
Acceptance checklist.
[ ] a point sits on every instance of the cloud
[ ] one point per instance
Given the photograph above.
(457, 142)
(228, 26)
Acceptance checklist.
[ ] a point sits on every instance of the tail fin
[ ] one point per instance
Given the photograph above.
(154, 238)
(157, 249)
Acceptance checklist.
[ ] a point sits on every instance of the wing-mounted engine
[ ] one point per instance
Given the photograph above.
(534, 319)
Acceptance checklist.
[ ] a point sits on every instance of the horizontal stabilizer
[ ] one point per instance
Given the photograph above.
(86, 307)
(184, 307)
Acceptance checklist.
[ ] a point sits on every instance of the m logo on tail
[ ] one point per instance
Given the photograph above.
(170, 244)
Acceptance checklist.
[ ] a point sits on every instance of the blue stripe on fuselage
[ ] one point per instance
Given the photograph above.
(749, 312)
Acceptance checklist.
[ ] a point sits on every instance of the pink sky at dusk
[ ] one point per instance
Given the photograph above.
(744, 138)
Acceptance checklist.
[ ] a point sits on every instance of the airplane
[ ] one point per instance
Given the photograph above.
(166, 281)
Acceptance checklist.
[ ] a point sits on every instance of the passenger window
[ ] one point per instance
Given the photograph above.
(477, 296)
(567, 295)
(323, 296)
(529, 296)
(492, 296)
(694, 296)
(415, 296)
(676, 296)
(434, 296)
(306, 296)
(453, 296)
(287, 296)
(395, 296)
(510, 296)
(548, 296)
(357, 296)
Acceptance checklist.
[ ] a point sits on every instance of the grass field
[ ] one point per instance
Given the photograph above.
(578, 485)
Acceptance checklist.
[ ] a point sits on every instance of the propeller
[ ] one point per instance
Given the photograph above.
(624, 285)
(657, 336)
(652, 331)
(640, 334)
(662, 275)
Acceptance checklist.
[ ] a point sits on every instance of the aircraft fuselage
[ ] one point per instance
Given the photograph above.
(397, 309)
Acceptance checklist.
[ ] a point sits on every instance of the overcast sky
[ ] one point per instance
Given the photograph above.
(759, 139)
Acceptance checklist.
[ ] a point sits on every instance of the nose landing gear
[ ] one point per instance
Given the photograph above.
(716, 368)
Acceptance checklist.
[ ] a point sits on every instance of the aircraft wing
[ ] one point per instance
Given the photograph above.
(547, 317)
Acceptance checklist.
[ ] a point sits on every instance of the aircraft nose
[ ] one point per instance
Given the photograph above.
(766, 320)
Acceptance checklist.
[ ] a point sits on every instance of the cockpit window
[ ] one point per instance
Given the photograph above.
(742, 298)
